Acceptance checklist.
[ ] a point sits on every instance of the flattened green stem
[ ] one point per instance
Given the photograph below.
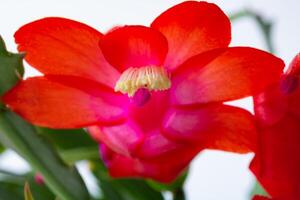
(264, 25)
(179, 194)
(17, 134)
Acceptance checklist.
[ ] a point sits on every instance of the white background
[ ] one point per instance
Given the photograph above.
(214, 175)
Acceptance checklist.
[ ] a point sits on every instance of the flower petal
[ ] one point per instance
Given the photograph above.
(191, 28)
(257, 197)
(225, 74)
(128, 140)
(122, 138)
(65, 102)
(149, 116)
(277, 162)
(163, 169)
(134, 46)
(155, 144)
(61, 46)
(270, 106)
(213, 126)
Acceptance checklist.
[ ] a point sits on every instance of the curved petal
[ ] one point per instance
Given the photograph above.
(191, 28)
(216, 126)
(225, 74)
(155, 144)
(61, 46)
(257, 197)
(163, 169)
(294, 67)
(270, 106)
(149, 116)
(277, 161)
(65, 102)
(122, 138)
(134, 46)
(127, 139)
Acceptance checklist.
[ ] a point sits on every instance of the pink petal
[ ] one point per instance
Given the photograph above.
(225, 74)
(163, 169)
(65, 102)
(214, 126)
(122, 138)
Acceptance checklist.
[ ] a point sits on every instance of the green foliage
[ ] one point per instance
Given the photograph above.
(22, 137)
(12, 187)
(10, 191)
(265, 25)
(11, 68)
(123, 189)
(174, 186)
(258, 190)
(73, 145)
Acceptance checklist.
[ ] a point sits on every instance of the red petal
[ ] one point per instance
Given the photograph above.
(155, 144)
(128, 140)
(225, 74)
(163, 169)
(293, 103)
(256, 197)
(134, 46)
(294, 67)
(192, 28)
(149, 117)
(123, 138)
(277, 163)
(66, 47)
(270, 106)
(65, 102)
(213, 126)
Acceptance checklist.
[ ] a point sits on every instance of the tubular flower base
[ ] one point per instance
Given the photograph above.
(277, 160)
(152, 96)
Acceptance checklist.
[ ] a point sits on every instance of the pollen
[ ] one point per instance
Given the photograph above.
(152, 78)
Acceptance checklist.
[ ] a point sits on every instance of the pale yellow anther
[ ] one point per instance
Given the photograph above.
(149, 77)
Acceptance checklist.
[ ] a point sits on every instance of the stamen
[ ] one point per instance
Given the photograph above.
(149, 77)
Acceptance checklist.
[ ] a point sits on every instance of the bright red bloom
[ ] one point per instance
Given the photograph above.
(277, 160)
(261, 198)
(177, 73)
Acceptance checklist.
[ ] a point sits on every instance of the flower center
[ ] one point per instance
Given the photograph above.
(148, 77)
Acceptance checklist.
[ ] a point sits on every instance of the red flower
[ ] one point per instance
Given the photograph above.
(277, 161)
(261, 198)
(175, 75)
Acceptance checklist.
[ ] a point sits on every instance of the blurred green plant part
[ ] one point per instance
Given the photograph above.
(73, 145)
(123, 189)
(11, 68)
(258, 190)
(265, 25)
(22, 137)
(27, 192)
(175, 185)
